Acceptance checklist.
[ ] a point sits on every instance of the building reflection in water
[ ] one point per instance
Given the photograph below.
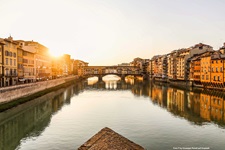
(30, 119)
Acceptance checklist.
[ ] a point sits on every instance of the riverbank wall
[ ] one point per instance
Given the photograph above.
(188, 84)
(8, 94)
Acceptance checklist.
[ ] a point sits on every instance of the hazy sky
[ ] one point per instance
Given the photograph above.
(109, 32)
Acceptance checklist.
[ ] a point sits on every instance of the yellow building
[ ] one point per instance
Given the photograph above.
(172, 68)
(181, 60)
(42, 59)
(9, 55)
(66, 64)
(26, 68)
(78, 65)
(20, 65)
(57, 67)
(1, 63)
(155, 66)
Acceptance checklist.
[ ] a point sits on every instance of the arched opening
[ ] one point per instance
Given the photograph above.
(130, 79)
(110, 77)
(111, 81)
(92, 80)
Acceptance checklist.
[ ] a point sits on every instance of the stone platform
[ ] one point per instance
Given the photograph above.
(107, 139)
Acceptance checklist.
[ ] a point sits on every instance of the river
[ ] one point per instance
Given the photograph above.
(153, 115)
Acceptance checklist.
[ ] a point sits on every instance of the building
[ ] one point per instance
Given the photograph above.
(57, 67)
(181, 61)
(1, 63)
(9, 62)
(172, 67)
(217, 69)
(205, 73)
(195, 69)
(42, 59)
(184, 59)
(66, 64)
(142, 64)
(155, 66)
(20, 64)
(77, 67)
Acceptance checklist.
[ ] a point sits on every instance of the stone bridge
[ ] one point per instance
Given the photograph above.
(101, 71)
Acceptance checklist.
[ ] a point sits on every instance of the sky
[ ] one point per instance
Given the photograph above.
(110, 32)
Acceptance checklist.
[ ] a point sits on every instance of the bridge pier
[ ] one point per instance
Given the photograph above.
(100, 78)
(122, 77)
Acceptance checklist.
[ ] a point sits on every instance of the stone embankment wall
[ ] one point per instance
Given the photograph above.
(10, 93)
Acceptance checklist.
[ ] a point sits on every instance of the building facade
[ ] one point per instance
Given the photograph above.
(1, 63)
(9, 62)
(42, 59)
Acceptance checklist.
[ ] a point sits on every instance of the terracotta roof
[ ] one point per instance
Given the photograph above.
(107, 139)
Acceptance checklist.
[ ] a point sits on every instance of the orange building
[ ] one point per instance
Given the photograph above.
(205, 76)
(217, 67)
(195, 69)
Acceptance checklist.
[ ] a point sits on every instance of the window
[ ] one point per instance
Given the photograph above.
(212, 69)
(214, 78)
(218, 78)
(14, 62)
(202, 77)
(6, 53)
(11, 62)
(207, 77)
(6, 61)
(14, 54)
(216, 61)
(25, 61)
(212, 61)
(24, 53)
(20, 66)
(216, 69)
(7, 71)
(221, 69)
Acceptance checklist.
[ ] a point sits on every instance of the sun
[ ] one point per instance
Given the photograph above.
(55, 53)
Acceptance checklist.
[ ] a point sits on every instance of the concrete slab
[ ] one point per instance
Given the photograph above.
(107, 139)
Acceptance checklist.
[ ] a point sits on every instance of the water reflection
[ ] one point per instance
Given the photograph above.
(30, 119)
(196, 106)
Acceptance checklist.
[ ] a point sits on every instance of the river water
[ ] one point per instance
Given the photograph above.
(153, 115)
